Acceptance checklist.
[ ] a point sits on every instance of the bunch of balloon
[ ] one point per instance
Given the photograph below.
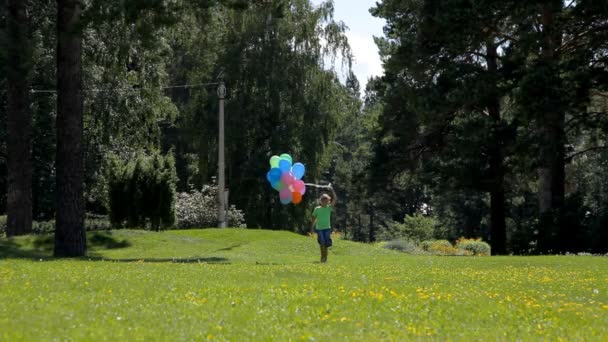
(286, 178)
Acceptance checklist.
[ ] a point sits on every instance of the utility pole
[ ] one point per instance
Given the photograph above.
(221, 182)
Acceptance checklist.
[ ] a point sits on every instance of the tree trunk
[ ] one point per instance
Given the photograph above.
(552, 138)
(19, 123)
(372, 228)
(70, 238)
(498, 229)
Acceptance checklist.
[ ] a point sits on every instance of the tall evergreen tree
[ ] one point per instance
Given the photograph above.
(70, 237)
(19, 121)
(449, 52)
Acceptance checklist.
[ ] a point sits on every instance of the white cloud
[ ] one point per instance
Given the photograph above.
(367, 60)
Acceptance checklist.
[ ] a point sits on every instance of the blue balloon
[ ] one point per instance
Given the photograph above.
(285, 165)
(286, 200)
(298, 170)
(274, 175)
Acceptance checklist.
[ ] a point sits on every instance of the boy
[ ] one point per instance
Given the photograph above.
(321, 221)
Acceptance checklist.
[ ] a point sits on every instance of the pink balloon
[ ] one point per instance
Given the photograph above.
(285, 194)
(299, 186)
(287, 178)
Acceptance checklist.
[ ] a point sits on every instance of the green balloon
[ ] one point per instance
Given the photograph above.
(287, 157)
(274, 161)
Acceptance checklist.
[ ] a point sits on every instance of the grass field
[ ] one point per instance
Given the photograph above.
(238, 285)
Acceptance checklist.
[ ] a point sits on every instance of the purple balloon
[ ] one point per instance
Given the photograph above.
(285, 194)
(287, 178)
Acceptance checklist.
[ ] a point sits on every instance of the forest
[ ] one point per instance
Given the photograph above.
(490, 120)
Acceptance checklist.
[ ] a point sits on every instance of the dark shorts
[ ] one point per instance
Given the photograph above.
(324, 237)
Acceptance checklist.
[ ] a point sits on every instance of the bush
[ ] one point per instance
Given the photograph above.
(142, 191)
(198, 209)
(442, 247)
(92, 223)
(475, 246)
(404, 246)
(415, 228)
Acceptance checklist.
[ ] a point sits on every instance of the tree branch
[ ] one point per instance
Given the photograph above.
(570, 4)
(570, 124)
(574, 155)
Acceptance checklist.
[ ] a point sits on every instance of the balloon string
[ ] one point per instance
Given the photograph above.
(317, 185)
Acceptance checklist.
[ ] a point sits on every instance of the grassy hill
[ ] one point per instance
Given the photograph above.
(236, 284)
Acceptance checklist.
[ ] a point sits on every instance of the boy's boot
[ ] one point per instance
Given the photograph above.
(323, 254)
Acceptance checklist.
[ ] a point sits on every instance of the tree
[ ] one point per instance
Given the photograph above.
(19, 121)
(280, 97)
(70, 237)
(563, 46)
(453, 80)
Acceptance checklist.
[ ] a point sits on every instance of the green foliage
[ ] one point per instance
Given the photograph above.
(92, 222)
(417, 228)
(258, 282)
(477, 99)
(142, 191)
(281, 98)
(475, 246)
(442, 247)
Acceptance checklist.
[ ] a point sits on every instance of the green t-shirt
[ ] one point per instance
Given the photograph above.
(323, 215)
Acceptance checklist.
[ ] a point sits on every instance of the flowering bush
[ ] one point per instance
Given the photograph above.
(475, 246)
(198, 209)
(442, 247)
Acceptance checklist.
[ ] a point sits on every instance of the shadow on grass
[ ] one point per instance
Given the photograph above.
(41, 248)
(10, 249)
(105, 240)
(229, 248)
(191, 260)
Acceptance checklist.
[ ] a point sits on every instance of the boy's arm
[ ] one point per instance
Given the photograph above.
(334, 197)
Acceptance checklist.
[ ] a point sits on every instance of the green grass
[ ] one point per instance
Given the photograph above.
(241, 285)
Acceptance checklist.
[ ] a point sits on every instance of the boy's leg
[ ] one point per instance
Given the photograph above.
(323, 254)
(326, 243)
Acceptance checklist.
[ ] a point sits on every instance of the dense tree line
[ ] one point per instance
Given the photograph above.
(86, 80)
(496, 110)
(490, 118)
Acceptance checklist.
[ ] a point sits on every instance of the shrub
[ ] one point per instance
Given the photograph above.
(442, 247)
(401, 245)
(198, 209)
(142, 191)
(92, 222)
(475, 246)
(415, 228)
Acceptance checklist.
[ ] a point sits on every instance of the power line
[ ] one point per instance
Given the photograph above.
(100, 90)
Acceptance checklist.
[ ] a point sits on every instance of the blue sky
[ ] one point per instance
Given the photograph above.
(362, 28)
